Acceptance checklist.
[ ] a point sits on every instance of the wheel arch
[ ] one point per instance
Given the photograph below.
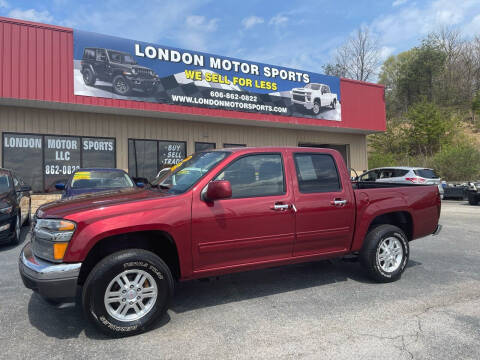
(159, 242)
(401, 219)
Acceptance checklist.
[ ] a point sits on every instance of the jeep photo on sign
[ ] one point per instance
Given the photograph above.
(112, 67)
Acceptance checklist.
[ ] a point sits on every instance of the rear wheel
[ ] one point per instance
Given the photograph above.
(334, 104)
(127, 292)
(473, 199)
(385, 253)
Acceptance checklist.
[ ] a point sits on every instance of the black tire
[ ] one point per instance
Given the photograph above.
(28, 220)
(368, 254)
(106, 270)
(317, 106)
(120, 85)
(472, 199)
(89, 77)
(17, 229)
(334, 104)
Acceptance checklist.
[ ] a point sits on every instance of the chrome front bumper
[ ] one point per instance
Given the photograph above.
(52, 281)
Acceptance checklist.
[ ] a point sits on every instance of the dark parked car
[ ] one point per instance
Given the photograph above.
(94, 180)
(15, 206)
(118, 68)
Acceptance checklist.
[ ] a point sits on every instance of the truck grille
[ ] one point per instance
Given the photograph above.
(298, 97)
(144, 73)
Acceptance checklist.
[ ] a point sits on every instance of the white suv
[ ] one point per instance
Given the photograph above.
(314, 97)
(404, 174)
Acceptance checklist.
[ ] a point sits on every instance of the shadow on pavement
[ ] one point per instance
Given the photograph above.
(65, 323)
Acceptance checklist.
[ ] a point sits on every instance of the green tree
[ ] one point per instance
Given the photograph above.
(458, 162)
(428, 129)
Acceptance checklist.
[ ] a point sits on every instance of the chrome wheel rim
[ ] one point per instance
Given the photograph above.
(130, 295)
(390, 254)
(17, 227)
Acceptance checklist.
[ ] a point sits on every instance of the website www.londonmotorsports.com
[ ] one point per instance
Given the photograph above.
(228, 104)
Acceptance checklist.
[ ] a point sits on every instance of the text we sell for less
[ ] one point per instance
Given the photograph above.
(223, 79)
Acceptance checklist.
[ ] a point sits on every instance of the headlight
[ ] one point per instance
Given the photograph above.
(6, 210)
(134, 71)
(51, 237)
(152, 73)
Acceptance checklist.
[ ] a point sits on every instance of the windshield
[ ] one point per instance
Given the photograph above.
(121, 58)
(5, 184)
(312, 86)
(98, 179)
(426, 173)
(190, 171)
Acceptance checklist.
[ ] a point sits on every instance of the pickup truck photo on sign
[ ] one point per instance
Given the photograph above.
(112, 67)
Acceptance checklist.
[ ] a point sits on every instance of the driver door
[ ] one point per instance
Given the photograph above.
(255, 225)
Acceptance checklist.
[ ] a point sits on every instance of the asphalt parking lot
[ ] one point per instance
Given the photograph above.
(317, 310)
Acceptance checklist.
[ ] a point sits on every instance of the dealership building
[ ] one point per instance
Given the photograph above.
(71, 99)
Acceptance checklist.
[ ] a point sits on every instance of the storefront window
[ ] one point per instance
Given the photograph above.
(98, 153)
(228, 145)
(142, 158)
(201, 146)
(62, 158)
(43, 160)
(23, 154)
(147, 157)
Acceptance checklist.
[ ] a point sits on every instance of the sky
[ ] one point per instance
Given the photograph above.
(299, 34)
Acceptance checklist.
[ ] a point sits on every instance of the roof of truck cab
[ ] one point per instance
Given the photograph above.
(271, 148)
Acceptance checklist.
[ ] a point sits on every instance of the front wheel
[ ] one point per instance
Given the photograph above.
(385, 253)
(316, 107)
(472, 199)
(121, 85)
(127, 292)
(89, 77)
(18, 228)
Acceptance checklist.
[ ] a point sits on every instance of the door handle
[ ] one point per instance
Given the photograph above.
(338, 202)
(280, 207)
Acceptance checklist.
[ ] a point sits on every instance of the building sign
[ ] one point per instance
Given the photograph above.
(43, 160)
(171, 153)
(111, 67)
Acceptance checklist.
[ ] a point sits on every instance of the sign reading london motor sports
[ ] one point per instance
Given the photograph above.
(111, 67)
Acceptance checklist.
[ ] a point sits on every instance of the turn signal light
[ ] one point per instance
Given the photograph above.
(66, 226)
(59, 250)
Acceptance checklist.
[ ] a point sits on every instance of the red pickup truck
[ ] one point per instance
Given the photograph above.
(218, 212)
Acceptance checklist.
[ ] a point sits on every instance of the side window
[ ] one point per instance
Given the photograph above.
(89, 54)
(385, 174)
(316, 173)
(101, 55)
(255, 175)
(399, 172)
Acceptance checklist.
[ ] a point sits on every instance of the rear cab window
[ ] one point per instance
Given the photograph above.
(316, 173)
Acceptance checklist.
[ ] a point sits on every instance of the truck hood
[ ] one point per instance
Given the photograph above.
(300, 90)
(85, 202)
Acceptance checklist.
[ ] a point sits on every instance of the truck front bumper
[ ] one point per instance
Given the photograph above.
(52, 281)
(307, 104)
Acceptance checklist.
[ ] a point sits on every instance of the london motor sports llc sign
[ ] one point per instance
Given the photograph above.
(112, 67)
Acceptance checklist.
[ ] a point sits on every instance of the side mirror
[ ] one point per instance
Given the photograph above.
(219, 189)
(60, 186)
(25, 188)
(140, 184)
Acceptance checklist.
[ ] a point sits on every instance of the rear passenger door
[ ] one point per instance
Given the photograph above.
(325, 216)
